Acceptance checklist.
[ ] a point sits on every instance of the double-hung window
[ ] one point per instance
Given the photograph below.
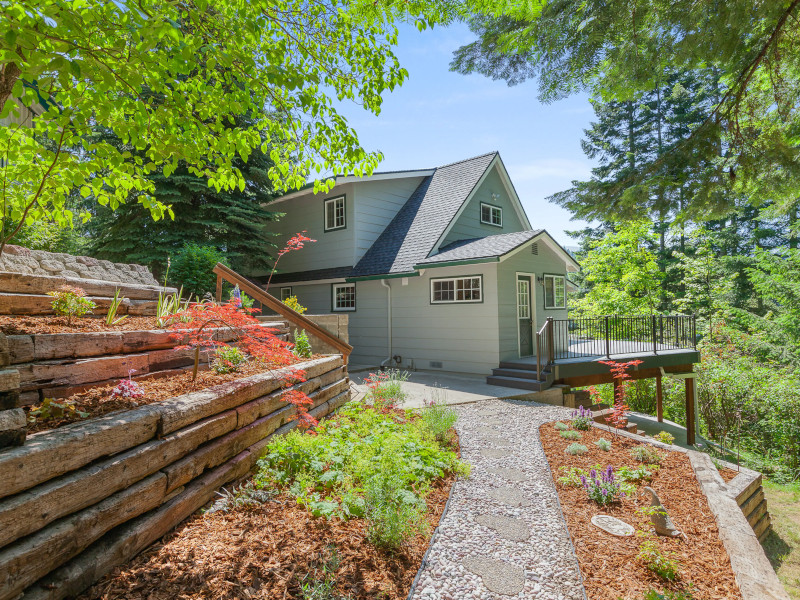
(344, 296)
(286, 292)
(335, 214)
(491, 215)
(457, 289)
(555, 291)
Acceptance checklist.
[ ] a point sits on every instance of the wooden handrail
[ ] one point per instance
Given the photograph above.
(279, 307)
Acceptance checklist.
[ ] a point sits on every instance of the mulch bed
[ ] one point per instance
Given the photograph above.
(608, 563)
(97, 401)
(265, 553)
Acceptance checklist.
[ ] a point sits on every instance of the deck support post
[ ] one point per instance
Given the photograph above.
(219, 288)
(690, 416)
(659, 399)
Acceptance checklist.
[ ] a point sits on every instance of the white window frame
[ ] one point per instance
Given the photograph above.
(479, 278)
(333, 202)
(284, 296)
(555, 278)
(337, 286)
(492, 208)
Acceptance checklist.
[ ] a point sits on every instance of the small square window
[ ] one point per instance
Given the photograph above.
(344, 296)
(335, 214)
(491, 215)
(555, 291)
(286, 292)
(457, 289)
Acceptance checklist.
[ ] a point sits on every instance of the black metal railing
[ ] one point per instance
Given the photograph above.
(613, 335)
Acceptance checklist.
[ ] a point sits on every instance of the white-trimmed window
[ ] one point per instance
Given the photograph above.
(491, 215)
(457, 289)
(335, 214)
(286, 292)
(555, 291)
(344, 296)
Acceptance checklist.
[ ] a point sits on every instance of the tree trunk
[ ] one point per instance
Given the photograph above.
(9, 73)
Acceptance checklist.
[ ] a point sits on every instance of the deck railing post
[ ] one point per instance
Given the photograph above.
(538, 356)
(677, 332)
(694, 331)
(655, 338)
(219, 288)
(551, 341)
(608, 339)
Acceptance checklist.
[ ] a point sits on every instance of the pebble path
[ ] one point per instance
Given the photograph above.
(503, 535)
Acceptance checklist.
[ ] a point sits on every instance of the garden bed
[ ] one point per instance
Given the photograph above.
(609, 564)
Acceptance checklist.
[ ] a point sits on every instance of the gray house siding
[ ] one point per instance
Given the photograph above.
(332, 248)
(376, 204)
(468, 225)
(524, 262)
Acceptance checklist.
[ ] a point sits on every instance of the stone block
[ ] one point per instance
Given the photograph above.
(12, 427)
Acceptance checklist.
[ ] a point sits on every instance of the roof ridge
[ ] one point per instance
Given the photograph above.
(458, 162)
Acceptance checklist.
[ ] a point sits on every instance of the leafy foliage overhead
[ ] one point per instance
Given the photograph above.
(620, 48)
(169, 78)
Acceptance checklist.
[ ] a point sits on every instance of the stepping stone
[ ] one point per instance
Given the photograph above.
(494, 453)
(495, 421)
(487, 430)
(509, 528)
(509, 495)
(510, 473)
(499, 576)
(498, 441)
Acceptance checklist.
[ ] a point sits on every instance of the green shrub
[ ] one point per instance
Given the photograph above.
(660, 563)
(437, 417)
(71, 302)
(192, 269)
(394, 514)
(571, 476)
(228, 359)
(638, 475)
(668, 595)
(603, 444)
(646, 454)
(561, 426)
(570, 435)
(576, 449)
(302, 347)
(385, 389)
(664, 437)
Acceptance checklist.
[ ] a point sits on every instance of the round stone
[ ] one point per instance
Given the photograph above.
(613, 525)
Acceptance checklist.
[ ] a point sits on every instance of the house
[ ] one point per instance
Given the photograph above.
(438, 269)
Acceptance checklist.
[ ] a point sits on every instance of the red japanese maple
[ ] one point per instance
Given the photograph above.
(201, 324)
(296, 242)
(619, 372)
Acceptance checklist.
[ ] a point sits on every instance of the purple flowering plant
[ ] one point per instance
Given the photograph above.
(128, 388)
(582, 418)
(602, 487)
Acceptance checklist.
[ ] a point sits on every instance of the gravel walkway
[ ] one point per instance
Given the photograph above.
(503, 535)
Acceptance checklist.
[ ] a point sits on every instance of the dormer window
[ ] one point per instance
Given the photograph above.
(491, 215)
(335, 214)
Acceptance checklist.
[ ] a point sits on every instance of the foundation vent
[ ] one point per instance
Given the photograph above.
(535, 249)
(435, 364)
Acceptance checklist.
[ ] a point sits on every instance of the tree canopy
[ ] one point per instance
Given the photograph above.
(619, 49)
(168, 79)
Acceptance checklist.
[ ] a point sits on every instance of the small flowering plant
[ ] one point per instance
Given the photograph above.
(71, 302)
(582, 418)
(602, 487)
(128, 388)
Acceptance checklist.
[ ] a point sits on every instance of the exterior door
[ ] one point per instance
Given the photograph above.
(524, 315)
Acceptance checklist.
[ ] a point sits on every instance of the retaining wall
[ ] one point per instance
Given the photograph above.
(79, 500)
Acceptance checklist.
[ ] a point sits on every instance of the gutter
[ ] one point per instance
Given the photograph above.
(691, 375)
(388, 320)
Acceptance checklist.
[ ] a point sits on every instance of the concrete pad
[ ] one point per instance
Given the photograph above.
(499, 576)
(452, 388)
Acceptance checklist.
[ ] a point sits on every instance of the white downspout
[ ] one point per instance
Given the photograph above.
(388, 319)
(691, 375)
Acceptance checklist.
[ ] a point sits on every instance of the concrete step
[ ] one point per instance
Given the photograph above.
(506, 364)
(515, 373)
(520, 384)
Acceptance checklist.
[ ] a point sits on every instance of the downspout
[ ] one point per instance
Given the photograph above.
(388, 320)
(691, 375)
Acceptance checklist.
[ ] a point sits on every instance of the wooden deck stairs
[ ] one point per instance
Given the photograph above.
(520, 376)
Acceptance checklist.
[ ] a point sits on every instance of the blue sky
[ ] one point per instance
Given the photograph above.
(438, 117)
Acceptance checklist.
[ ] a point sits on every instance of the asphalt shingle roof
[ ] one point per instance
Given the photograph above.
(412, 234)
(487, 247)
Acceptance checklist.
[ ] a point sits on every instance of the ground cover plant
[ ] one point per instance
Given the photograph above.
(629, 567)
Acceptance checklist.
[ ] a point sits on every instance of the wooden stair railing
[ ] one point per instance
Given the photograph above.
(279, 307)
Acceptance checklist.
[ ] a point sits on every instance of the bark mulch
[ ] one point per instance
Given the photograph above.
(97, 401)
(267, 552)
(608, 563)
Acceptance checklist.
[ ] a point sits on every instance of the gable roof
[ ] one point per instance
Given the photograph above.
(492, 246)
(417, 227)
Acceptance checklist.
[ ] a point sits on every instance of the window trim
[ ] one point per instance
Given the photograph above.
(343, 198)
(479, 277)
(499, 208)
(553, 276)
(288, 287)
(334, 308)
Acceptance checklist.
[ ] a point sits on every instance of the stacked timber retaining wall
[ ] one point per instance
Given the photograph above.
(79, 500)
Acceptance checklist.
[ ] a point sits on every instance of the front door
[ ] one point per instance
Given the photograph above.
(524, 315)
